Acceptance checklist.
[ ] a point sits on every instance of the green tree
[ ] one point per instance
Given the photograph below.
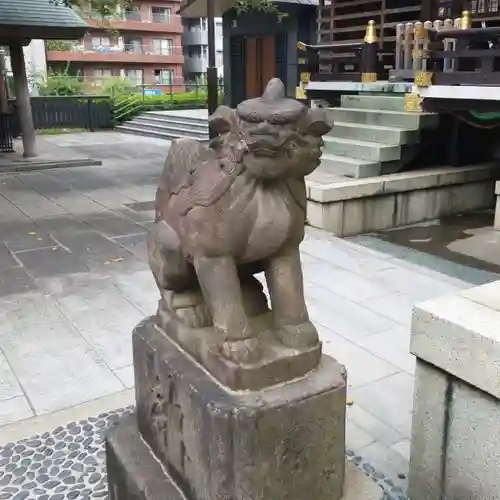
(109, 8)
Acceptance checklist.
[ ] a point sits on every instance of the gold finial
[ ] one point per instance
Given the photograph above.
(371, 32)
(301, 46)
(465, 20)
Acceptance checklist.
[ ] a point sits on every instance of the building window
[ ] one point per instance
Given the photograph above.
(135, 76)
(132, 45)
(101, 74)
(163, 46)
(161, 14)
(101, 42)
(164, 76)
(132, 13)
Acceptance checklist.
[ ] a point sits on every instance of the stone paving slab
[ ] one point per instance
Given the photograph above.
(74, 281)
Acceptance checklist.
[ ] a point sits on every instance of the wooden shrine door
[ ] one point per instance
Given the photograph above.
(260, 64)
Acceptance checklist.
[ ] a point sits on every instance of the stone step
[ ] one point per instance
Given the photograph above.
(129, 129)
(168, 128)
(349, 167)
(400, 119)
(178, 122)
(182, 118)
(377, 101)
(362, 150)
(374, 133)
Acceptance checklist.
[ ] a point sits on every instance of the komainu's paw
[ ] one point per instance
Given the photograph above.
(298, 336)
(244, 351)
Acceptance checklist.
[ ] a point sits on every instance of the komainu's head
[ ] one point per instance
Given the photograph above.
(275, 137)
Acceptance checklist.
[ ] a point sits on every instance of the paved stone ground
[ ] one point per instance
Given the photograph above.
(69, 463)
(74, 281)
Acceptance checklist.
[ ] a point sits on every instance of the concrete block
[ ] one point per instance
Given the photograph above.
(456, 422)
(327, 216)
(496, 223)
(461, 337)
(361, 149)
(374, 133)
(281, 442)
(482, 172)
(350, 167)
(497, 187)
(346, 190)
(409, 181)
(371, 214)
(428, 431)
(380, 101)
(412, 121)
(416, 206)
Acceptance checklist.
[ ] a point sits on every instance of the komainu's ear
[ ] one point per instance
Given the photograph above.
(316, 122)
(223, 120)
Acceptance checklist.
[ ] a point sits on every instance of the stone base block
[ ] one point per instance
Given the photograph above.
(455, 451)
(285, 441)
(134, 473)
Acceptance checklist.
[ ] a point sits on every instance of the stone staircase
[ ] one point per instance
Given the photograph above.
(373, 135)
(168, 125)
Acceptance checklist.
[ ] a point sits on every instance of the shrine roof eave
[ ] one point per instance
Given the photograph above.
(198, 8)
(11, 33)
(39, 19)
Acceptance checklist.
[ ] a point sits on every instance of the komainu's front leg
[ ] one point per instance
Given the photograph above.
(286, 287)
(221, 288)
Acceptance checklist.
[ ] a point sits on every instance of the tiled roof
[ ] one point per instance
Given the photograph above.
(38, 13)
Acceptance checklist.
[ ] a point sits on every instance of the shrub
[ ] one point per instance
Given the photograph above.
(117, 86)
(62, 84)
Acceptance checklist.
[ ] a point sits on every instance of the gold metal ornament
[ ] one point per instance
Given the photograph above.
(368, 77)
(423, 78)
(413, 103)
(465, 20)
(371, 33)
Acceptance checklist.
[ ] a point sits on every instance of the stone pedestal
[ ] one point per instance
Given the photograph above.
(456, 423)
(194, 439)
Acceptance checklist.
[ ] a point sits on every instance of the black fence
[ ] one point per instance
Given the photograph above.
(6, 133)
(57, 112)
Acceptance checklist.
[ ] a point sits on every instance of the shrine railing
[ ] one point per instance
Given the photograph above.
(448, 52)
(341, 61)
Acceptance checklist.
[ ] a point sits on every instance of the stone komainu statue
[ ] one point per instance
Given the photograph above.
(227, 212)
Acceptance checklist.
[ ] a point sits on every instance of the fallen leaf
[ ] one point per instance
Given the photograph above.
(349, 402)
(115, 259)
(32, 233)
(39, 239)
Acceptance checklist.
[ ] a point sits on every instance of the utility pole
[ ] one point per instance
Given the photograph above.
(212, 94)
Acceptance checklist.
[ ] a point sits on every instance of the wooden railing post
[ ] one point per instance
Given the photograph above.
(369, 54)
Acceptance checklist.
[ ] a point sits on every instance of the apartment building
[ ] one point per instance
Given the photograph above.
(141, 43)
(195, 48)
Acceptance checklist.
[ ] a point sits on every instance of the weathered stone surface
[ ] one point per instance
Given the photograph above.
(230, 210)
(456, 422)
(285, 441)
(134, 472)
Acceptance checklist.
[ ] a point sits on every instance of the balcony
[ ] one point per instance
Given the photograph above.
(195, 36)
(133, 21)
(195, 64)
(138, 54)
